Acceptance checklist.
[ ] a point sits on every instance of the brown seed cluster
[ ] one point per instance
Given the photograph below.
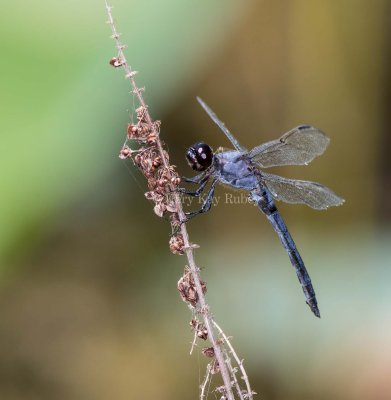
(161, 176)
(200, 329)
(187, 289)
(143, 131)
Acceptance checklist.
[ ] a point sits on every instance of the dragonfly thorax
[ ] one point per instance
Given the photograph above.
(199, 156)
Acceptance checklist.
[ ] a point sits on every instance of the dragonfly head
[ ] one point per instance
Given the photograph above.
(199, 156)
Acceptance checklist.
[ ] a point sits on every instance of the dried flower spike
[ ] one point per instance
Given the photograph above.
(153, 161)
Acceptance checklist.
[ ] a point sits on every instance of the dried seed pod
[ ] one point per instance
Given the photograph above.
(143, 130)
(155, 197)
(132, 131)
(192, 296)
(157, 162)
(200, 329)
(194, 323)
(151, 138)
(215, 368)
(116, 62)
(176, 180)
(162, 182)
(146, 164)
(152, 183)
(203, 286)
(141, 112)
(175, 221)
(159, 209)
(137, 159)
(202, 333)
(161, 190)
(149, 195)
(222, 390)
(166, 156)
(177, 244)
(182, 288)
(156, 125)
(126, 152)
(208, 352)
(171, 207)
(187, 289)
(220, 341)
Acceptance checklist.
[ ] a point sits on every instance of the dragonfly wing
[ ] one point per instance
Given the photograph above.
(309, 193)
(221, 125)
(299, 146)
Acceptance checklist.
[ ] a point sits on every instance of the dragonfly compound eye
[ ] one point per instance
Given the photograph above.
(199, 156)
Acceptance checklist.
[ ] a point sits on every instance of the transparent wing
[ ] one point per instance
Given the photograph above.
(221, 125)
(299, 146)
(309, 193)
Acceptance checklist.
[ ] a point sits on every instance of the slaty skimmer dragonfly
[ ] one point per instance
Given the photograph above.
(242, 169)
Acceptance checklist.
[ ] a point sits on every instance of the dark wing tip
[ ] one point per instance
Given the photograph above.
(303, 127)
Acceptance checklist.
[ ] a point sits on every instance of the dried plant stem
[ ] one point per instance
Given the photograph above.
(193, 343)
(205, 382)
(238, 361)
(208, 321)
(185, 247)
(235, 379)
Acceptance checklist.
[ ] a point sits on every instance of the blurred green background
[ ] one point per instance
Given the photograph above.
(88, 301)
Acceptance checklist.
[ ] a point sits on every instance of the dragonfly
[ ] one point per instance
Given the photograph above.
(243, 169)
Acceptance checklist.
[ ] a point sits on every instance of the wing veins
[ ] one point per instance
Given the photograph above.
(296, 147)
(297, 191)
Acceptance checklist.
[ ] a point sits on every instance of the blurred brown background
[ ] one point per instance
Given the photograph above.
(88, 300)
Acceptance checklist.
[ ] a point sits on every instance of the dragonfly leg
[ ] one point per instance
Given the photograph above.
(207, 203)
(200, 189)
(195, 179)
